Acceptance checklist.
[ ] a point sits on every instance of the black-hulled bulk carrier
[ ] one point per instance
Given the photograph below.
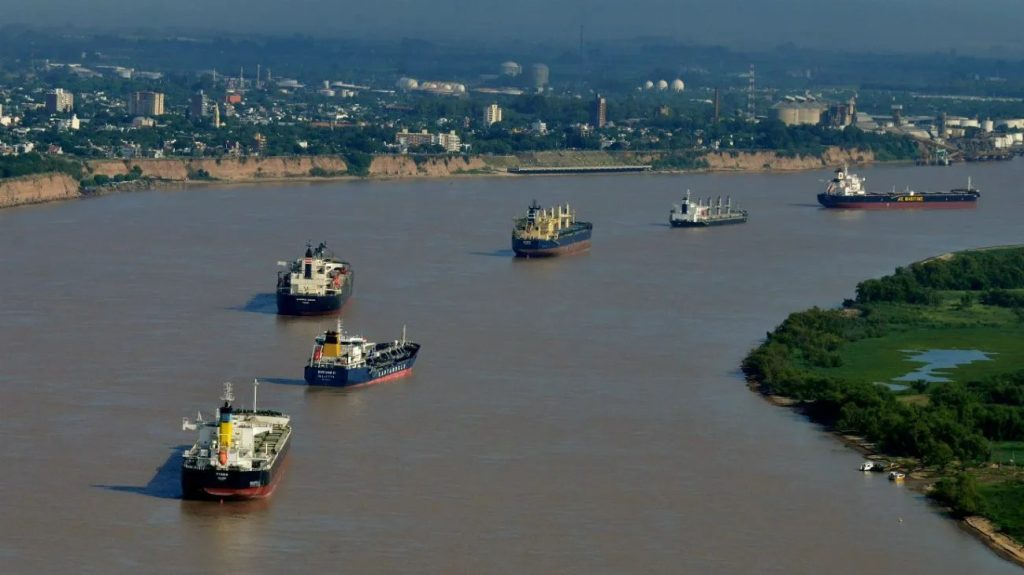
(846, 190)
(704, 213)
(239, 455)
(315, 284)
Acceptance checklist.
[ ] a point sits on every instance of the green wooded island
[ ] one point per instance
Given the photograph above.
(925, 368)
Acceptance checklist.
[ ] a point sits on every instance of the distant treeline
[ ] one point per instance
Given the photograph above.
(957, 421)
(34, 163)
(806, 139)
(997, 270)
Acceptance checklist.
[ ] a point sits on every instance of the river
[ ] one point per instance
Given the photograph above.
(577, 415)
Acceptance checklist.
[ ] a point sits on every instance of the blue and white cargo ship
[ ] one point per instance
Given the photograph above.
(341, 360)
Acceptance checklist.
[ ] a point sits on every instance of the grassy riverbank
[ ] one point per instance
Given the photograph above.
(927, 365)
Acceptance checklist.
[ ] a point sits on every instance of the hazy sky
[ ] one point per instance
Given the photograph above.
(978, 26)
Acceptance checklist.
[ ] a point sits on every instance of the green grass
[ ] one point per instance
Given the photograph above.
(883, 358)
(1008, 452)
(1003, 503)
(950, 325)
(873, 341)
(947, 314)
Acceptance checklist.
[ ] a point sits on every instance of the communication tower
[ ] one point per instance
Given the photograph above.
(751, 111)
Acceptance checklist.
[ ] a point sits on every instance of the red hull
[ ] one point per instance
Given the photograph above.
(247, 493)
(390, 377)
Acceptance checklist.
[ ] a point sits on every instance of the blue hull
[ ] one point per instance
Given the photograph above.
(574, 241)
(336, 376)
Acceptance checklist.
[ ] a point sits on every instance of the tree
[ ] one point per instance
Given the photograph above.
(960, 493)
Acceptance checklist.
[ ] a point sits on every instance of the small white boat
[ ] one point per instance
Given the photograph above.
(896, 476)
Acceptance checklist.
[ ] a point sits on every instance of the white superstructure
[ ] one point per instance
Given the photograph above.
(704, 211)
(241, 440)
(846, 184)
(316, 274)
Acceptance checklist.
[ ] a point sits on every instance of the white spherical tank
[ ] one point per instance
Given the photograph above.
(404, 83)
(648, 85)
(678, 85)
(662, 85)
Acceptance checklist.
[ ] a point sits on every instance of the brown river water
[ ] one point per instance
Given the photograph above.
(576, 415)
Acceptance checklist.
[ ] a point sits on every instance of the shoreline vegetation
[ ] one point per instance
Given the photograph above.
(923, 372)
(36, 179)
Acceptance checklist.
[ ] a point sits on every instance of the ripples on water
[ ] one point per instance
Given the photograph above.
(580, 415)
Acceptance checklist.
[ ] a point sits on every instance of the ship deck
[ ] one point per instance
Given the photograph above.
(271, 440)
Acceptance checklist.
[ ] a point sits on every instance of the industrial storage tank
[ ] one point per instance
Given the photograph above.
(794, 113)
(678, 85)
(788, 115)
(511, 69)
(808, 114)
(540, 75)
(404, 83)
(662, 85)
(648, 85)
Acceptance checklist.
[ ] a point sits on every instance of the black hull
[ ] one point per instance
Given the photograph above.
(289, 304)
(708, 223)
(212, 484)
(954, 199)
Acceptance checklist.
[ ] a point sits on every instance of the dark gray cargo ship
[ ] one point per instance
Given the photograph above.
(846, 190)
(705, 213)
(318, 283)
